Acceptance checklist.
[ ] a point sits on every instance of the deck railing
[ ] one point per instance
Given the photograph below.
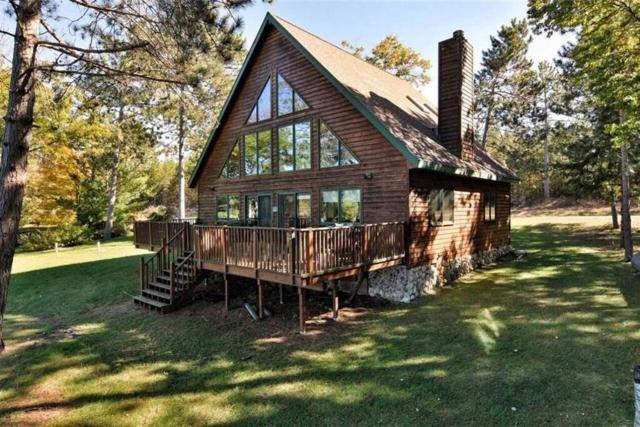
(302, 252)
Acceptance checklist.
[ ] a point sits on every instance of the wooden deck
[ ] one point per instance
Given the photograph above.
(290, 256)
(306, 258)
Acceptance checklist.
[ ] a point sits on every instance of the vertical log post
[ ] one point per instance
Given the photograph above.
(301, 311)
(281, 295)
(173, 282)
(226, 293)
(142, 273)
(260, 300)
(336, 300)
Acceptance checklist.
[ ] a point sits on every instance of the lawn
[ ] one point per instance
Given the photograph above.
(549, 339)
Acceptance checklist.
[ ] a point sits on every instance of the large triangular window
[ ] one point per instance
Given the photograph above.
(262, 108)
(289, 101)
(231, 168)
(334, 152)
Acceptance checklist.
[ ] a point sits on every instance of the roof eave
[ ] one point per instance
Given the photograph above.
(465, 171)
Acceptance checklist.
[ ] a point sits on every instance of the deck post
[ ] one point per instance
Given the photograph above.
(226, 293)
(173, 281)
(150, 237)
(281, 294)
(260, 300)
(141, 273)
(301, 310)
(336, 300)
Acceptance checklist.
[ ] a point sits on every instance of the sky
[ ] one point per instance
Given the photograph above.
(420, 24)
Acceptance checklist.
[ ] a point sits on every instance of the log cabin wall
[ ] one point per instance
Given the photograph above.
(469, 233)
(384, 194)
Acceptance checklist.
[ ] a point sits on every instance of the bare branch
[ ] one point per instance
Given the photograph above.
(123, 48)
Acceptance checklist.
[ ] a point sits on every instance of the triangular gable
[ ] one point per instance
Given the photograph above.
(270, 20)
(427, 154)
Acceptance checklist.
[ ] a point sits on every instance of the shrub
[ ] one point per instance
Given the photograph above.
(64, 235)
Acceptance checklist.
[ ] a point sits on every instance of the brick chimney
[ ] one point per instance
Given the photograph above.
(455, 95)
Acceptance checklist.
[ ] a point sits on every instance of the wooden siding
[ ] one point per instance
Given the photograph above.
(469, 232)
(384, 197)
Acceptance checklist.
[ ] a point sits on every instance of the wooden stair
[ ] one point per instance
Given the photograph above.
(168, 278)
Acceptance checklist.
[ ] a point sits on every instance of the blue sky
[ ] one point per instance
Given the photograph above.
(420, 24)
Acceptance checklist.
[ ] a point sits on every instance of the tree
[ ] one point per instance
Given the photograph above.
(549, 99)
(396, 58)
(605, 61)
(106, 27)
(503, 83)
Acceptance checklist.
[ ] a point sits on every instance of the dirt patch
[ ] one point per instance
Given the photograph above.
(283, 317)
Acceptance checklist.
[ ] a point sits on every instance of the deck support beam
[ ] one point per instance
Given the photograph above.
(281, 294)
(302, 315)
(335, 300)
(226, 293)
(260, 300)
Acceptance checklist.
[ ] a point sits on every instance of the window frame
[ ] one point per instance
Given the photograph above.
(488, 197)
(257, 101)
(240, 166)
(309, 121)
(228, 197)
(340, 190)
(294, 92)
(340, 144)
(296, 195)
(257, 133)
(442, 194)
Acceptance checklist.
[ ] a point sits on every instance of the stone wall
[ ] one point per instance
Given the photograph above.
(402, 284)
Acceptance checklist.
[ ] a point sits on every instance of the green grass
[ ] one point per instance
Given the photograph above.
(549, 339)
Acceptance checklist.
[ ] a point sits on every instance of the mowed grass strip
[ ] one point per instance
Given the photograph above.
(549, 339)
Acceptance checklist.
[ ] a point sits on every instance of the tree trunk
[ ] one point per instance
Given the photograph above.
(112, 197)
(626, 200)
(16, 140)
(547, 181)
(182, 204)
(113, 180)
(614, 214)
(485, 131)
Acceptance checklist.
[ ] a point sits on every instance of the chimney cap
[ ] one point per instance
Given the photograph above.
(458, 34)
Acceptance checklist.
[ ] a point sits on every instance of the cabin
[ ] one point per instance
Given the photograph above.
(328, 174)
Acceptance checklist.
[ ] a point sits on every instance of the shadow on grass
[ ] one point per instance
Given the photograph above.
(548, 339)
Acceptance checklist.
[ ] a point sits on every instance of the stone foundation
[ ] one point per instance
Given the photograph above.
(402, 284)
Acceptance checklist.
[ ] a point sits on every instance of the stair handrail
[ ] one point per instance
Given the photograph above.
(159, 260)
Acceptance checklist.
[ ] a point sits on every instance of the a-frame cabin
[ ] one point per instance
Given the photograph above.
(323, 167)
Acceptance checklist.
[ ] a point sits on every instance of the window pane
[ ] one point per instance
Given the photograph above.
(221, 208)
(329, 206)
(234, 207)
(350, 206)
(298, 103)
(264, 152)
(264, 102)
(285, 97)
(304, 206)
(303, 145)
(231, 169)
(251, 207)
(253, 117)
(346, 157)
(448, 202)
(285, 148)
(250, 154)
(329, 148)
